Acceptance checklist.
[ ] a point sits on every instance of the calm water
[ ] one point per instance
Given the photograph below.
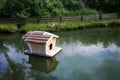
(86, 55)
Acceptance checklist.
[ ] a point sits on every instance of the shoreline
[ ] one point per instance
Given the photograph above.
(58, 26)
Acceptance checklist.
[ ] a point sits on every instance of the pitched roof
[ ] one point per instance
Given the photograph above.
(38, 36)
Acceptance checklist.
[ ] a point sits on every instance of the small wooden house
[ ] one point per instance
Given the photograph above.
(41, 43)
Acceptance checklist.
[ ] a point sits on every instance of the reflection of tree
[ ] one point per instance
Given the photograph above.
(13, 71)
(92, 36)
(19, 71)
(13, 40)
(3, 49)
(14, 68)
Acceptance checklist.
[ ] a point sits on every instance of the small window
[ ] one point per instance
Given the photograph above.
(50, 46)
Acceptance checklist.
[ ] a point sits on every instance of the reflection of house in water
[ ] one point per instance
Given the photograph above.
(43, 64)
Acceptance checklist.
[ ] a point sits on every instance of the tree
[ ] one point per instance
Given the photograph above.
(31, 8)
(73, 4)
(39, 8)
(104, 5)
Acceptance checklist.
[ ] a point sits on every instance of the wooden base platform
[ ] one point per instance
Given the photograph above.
(51, 54)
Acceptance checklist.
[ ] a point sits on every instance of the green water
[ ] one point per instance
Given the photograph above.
(92, 54)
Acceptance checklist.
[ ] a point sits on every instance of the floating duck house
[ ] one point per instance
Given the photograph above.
(41, 43)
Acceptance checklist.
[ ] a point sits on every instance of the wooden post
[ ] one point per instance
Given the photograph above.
(81, 18)
(60, 19)
(118, 15)
(38, 20)
(100, 16)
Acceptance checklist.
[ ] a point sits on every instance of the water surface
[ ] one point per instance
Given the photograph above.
(92, 54)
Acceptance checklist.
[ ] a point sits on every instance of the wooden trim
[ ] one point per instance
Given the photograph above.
(37, 38)
(35, 41)
(43, 36)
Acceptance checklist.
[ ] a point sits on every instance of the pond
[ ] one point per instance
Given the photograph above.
(92, 54)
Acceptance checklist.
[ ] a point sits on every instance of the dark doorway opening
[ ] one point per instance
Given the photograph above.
(50, 47)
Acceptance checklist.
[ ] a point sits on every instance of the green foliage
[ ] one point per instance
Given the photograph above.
(59, 26)
(104, 5)
(2, 2)
(33, 27)
(48, 8)
(73, 4)
(84, 11)
(31, 8)
(8, 27)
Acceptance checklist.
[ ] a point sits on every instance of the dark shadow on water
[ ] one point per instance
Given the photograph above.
(43, 64)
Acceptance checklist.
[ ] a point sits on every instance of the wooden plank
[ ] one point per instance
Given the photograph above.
(37, 47)
(43, 36)
(37, 38)
(35, 41)
(51, 54)
(109, 16)
(50, 19)
(54, 51)
(71, 18)
(32, 53)
(90, 17)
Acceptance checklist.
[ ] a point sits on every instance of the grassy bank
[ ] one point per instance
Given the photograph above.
(8, 27)
(59, 26)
